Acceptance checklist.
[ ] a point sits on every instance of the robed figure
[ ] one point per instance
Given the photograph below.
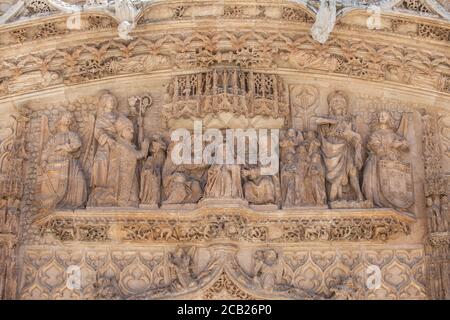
(121, 187)
(341, 149)
(224, 180)
(150, 192)
(105, 136)
(62, 183)
(387, 180)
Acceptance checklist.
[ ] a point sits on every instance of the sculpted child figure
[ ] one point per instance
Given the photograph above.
(150, 191)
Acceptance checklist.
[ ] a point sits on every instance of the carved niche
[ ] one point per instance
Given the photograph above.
(211, 95)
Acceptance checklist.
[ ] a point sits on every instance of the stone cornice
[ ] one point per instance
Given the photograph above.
(224, 224)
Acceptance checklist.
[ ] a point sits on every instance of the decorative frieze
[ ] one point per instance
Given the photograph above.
(178, 272)
(291, 226)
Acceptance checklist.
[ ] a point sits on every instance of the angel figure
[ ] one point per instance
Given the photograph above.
(325, 21)
(126, 13)
(266, 270)
(181, 263)
(62, 182)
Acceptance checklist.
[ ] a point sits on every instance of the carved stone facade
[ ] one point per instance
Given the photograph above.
(95, 204)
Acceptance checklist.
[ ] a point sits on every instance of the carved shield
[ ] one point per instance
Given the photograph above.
(396, 183)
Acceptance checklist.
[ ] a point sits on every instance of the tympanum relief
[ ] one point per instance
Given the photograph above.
(115, 162)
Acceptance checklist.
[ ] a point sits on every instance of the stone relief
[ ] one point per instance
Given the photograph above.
(342, 151)
(177, 272)
(151, 174)
(437, 212)
(108, 164)
(114, 179)
(325, 20)
(12, 158)
(229, 90)
(62, 182)
(230, 225)
(364, 60)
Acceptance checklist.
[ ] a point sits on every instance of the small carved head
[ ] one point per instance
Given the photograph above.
(270, 257)
(158, 144)
(301, 151)
(258, 255)
(444, 200)
(338, 102)
(291, 133)
(107, 102)
(125, 129)
(310, 134)
(65, 121)
(290, 158)
(385, 118)
(437, 201)
(429, 202)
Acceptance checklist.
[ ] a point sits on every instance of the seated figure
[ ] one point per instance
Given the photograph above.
(260, 189)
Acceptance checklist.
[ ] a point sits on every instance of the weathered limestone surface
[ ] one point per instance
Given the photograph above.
(92, 206)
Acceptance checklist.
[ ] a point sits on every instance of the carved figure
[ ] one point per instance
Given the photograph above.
(341, 149)
(385, 176)
(437, 221)
(122, 184)
(325, 20)
(180, 264)
(288, 181)
(105, 136)
(62, 183)
(346, 290)
(126, 13)
(150, 192)
(181, 183)
(261, 189)
(266, 270)
(224, 180)
(316, 177)
(315, 172)
(302, 188)
(445, 212)
(289, 142)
